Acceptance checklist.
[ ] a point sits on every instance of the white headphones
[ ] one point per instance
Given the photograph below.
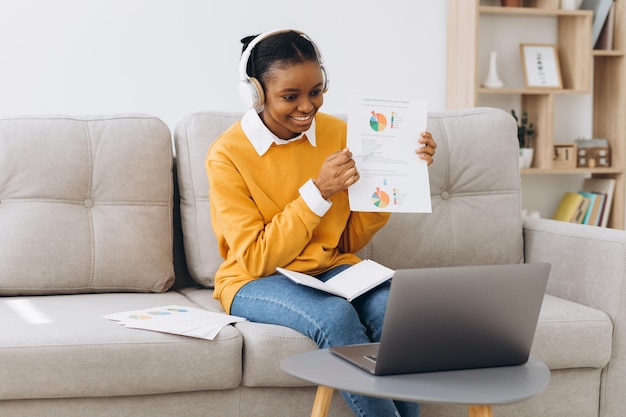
(250, 88)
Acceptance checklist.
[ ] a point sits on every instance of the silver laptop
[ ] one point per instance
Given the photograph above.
(452, 318)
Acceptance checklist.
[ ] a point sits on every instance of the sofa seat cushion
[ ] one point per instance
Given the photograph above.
(571, 335)
(85, 204)
(61, 347)
(264, 346)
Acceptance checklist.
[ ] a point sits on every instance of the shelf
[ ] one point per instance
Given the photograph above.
(599, 73)
(531, 11)
(571, 171)
(528, 91)
(607, 53)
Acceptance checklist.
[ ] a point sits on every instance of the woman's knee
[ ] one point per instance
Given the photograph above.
(338, 323)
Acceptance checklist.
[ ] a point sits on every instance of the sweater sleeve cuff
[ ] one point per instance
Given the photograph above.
(313, 198)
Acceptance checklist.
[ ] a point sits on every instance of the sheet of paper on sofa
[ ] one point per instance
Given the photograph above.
(175, 319)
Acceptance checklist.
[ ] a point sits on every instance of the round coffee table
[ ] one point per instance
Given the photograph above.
(479, 389)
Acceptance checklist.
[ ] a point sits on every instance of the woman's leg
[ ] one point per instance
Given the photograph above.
(327, 319)
(369, 306)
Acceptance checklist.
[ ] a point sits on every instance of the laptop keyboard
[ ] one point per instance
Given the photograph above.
(372, 358)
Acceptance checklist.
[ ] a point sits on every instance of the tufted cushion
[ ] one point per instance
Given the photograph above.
(192, 138)
(85, 204)
(476, 215)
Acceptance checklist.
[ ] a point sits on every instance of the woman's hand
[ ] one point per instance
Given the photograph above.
(337, 173)
(427, 151)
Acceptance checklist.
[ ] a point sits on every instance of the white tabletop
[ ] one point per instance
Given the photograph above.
(491, 386)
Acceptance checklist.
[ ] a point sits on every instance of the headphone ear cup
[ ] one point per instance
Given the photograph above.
(251, 93)
(324, 79)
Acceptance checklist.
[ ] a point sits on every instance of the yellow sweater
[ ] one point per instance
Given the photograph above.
(259, 218)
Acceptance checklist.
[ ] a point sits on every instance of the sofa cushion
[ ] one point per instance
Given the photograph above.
(192, 138)
(60, 346)
(568, 336)
(476, 217)
(85, 204)
(264, 346)
(571, 335)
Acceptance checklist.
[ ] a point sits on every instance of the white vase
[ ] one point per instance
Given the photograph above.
(492, 80)
(525, 157)
(568, 5)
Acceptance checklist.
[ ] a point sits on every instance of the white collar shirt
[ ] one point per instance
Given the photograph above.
(262, 138)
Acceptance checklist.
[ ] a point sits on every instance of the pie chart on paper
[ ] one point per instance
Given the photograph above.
(380, 198)
(139, 317)
(378, 122)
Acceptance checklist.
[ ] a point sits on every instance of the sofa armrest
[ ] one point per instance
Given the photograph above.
(588, 263)
(588, 267)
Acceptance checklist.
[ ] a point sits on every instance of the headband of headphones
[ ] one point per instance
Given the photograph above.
(250, 89)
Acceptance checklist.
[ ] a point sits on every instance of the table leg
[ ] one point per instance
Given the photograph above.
(480, 411)
(322, 401)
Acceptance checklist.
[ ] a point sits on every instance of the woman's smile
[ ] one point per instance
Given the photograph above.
(293, 97)
(302, 118)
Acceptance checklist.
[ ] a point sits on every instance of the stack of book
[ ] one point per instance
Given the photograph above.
(591, 205)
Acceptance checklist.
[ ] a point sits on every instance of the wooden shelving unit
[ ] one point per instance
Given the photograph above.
(583, 70)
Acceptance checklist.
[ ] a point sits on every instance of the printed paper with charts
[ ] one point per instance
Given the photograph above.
(383, 136)
(175, 319)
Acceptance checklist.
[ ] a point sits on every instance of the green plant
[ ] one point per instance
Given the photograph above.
(525, 130)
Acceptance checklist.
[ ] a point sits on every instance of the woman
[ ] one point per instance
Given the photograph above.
(278, 189)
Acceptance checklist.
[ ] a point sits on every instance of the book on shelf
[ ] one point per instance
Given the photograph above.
(600, 10)
(591, 205)
(592, 216)
(581, 211)
(605, 40)
(350, 283)
(604, 187)
(570, 207)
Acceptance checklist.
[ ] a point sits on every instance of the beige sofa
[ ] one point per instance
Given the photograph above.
(97, 217)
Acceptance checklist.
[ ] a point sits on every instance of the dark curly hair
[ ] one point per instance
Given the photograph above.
(277, 51)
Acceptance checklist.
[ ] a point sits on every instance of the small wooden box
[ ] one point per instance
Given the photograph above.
(593, 153)
(564, 155)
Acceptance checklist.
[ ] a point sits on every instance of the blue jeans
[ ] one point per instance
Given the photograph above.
(328, 320)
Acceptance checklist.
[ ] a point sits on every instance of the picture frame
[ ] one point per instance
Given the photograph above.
(541, 66)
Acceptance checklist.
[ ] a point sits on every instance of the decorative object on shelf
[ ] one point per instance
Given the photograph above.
(568, 5)
(593, 153)
(525, 133)
(541, 67)
(511, 3)
(492, 80)
(526, 157)
(564, 155)
(532, 213)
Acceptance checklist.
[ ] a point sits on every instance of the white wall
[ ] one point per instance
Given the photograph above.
(170, 58)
